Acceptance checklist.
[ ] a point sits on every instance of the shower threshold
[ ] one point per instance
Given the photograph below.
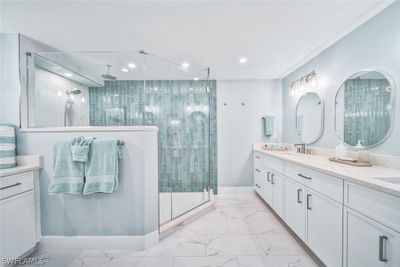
(177, 223)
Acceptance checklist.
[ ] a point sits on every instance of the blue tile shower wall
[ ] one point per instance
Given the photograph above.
(186, 116)
(363, 111)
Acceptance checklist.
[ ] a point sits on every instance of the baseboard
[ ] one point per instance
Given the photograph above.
(99, 242)
(235, 189)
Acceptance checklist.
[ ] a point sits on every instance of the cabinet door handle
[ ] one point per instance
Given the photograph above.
(257, 170)
(5, 187)
(308, 201)
(258, 186)
(298, 196)
(303, 176)
(382, 248)
(272, 178)
(268, 179)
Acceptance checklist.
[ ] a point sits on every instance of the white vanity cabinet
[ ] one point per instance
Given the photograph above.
(324, 227)
(273, 192)
(295, 208)
(19, 214)
(343, 223)
(369, 243)
(277, 185)
(371, 228)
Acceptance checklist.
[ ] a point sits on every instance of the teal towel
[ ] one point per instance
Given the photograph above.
(101, 170)
(68, 176)
(268, 125)
(80, 147)
(7, 147)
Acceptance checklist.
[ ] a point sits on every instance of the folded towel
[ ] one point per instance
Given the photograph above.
(68, 175)
(101, 170)
(7, 147)
(80, 147)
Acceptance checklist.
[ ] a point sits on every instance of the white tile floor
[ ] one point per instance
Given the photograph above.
(241, 231)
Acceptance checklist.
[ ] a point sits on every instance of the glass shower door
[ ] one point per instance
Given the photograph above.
(179, 105)
(189, 142)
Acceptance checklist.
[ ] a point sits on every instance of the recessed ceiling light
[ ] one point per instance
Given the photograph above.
(196, 79)
(242, 60)
(132, 65)
(185, 65)
(124, 70)
(67, 74)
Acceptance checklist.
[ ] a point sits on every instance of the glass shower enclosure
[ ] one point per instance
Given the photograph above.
(135, 88)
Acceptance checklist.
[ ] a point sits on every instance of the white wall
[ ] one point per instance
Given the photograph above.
(374, 45)
(9, 79)
(50, 100)
(240, 126)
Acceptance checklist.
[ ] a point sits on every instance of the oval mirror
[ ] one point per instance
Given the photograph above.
(309, 118)
(363, 109)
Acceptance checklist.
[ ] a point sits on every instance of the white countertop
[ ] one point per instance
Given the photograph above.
(360, 175)
(24, 164)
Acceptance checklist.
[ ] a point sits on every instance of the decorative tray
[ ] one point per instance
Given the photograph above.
(352, 163)
(276, 149)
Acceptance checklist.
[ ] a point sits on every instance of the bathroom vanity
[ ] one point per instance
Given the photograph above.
(19, 208)
(348, 216)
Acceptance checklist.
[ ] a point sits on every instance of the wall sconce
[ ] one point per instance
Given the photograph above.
(305, 84)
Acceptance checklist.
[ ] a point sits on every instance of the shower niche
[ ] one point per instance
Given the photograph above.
(131, 89)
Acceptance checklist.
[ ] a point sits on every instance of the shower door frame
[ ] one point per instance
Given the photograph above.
(209, 188)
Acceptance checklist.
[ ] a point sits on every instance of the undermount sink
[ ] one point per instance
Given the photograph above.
(393, 180)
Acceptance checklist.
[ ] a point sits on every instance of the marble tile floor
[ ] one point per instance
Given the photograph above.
(241, 231)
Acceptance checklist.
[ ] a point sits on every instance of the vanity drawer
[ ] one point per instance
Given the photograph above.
(15, 184)
(377, 205)
(258, 157)
(325, 184)
(273, 163)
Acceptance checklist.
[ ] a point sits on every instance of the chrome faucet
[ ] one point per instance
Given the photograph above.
(300, 148)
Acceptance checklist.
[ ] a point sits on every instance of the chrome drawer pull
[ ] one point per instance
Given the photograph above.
(257, 157)
(308, 201)
(9, 186)
(258, 186)
(382, 248)
(257, 170)
(298, 196)
(268, 173)
(303, 176)
(272, 178)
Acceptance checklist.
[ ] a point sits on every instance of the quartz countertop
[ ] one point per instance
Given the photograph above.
(360, 175)
(24, 164)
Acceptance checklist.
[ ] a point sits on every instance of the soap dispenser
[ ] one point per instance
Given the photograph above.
(362, 154)
(340, 151)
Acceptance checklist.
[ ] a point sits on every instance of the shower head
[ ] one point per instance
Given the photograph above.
(108, 76)
(74, 91)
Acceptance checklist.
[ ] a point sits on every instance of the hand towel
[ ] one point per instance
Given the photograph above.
(80, 147)
(68, 175)
(7, 147)
(101, 170)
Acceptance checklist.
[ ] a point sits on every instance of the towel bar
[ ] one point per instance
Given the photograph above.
(121, 142)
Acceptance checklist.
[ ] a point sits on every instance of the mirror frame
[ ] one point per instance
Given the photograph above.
(322, 117)
(391, 111)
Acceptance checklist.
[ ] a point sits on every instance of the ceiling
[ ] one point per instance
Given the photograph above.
(275, 36)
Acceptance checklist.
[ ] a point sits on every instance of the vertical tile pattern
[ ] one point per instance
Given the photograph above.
(366, 116)
(186, 115)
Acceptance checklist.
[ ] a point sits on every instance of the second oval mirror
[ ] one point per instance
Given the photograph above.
(309, 118)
